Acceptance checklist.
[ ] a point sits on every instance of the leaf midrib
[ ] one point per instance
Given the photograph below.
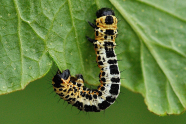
(76, 36)
(20, 41)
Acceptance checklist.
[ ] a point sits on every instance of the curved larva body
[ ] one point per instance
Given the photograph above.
(73, 90)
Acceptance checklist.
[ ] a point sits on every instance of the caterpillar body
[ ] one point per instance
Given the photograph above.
(72, 89)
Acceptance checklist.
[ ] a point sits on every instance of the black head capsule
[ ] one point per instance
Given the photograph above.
(105, 12)
(57, 78)
(65, 74)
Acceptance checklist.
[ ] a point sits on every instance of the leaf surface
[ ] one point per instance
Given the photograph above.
(151, 45)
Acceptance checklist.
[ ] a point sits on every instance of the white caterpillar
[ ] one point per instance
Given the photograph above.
(72, 89)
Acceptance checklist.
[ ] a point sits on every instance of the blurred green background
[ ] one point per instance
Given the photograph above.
(38, 104)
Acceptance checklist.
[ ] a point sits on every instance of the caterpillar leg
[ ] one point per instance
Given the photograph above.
(91, 40)
(92, 25)
(79, 80)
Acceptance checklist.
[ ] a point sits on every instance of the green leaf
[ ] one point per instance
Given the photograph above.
(160, 60)
(23, 53)
(151, 45)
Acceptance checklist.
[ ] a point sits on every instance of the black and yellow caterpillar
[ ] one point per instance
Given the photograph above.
(72, 89)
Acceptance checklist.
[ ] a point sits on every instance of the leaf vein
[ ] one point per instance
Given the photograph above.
(162, 9)
(76, 35)
(20, 41)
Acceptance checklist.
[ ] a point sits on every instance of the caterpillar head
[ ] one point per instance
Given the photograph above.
(61, 78)
(104, 12)
(106, 18)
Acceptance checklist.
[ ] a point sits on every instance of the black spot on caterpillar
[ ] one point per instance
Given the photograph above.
(72, 89)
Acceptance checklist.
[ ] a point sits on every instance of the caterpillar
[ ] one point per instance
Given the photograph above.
(72, 89)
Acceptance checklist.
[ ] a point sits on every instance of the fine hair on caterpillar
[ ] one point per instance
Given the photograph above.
(72, 89)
